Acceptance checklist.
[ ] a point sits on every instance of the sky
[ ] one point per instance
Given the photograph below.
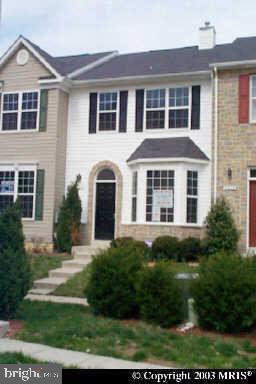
(64, 27)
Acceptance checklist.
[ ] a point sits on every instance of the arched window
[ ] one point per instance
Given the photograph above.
(106, 174)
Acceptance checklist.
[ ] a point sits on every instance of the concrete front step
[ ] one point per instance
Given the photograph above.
(49, 282)
(43, 292)
(67, 272)
(76, 263)
(84, 251)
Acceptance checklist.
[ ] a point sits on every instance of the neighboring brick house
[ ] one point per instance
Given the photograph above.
(144, 130)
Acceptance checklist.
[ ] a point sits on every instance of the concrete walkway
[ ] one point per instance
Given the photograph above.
(70, 358)
(57, 299)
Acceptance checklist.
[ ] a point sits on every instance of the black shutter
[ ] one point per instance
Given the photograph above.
(195, 114)
(123, 111)
(139, 110)
(93, 113)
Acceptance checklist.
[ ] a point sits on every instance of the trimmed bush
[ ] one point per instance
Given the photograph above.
(69, 220)
(221, 232)
(158, 296)
(225, 293)
(190, 249)
(165, 247)
(130, 242)
(15, 272)
(111, 288)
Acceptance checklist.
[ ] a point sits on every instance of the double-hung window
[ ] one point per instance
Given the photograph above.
(192, 196)
(155, 109)
(134, 195)
(20, 111)
(18, 184)
(160, 196)
(179, 107)
(253, 98)
(108, 102)
(7, 181)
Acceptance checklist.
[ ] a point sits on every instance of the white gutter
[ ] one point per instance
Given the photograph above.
(230, 64)
(144, 77)
(215, 133)
(168, 160)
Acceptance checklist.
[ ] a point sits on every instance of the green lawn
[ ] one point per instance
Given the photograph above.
(16, 358)
(41, 264)
(75, 286)
(75, 327)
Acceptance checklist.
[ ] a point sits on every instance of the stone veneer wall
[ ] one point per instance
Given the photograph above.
(150, 232)
(236, 148)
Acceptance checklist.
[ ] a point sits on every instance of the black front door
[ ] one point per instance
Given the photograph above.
(105, 211)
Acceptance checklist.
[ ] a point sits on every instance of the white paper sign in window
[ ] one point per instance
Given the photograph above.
(161, 199)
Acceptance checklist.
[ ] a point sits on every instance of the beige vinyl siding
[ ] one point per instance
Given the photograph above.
(39, 147)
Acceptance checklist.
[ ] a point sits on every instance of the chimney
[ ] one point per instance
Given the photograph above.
(207, 36)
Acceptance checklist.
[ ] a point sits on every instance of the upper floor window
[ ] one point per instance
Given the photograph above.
(176, 109)
(179, 107)
(253, 98)
(108, 103)
(19, 111)
(155, 108)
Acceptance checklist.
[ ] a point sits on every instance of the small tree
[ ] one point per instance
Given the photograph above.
(68, 227)
(221, 232)
(15, 271)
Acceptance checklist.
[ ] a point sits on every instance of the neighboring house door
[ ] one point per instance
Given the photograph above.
(105, 206)
(252, 215)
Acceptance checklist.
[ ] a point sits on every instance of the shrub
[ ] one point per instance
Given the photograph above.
(190, 249)
(221, 232)
(15, 272)
(69, 221)
(122, 242)
(130, 242)
(111, 287)
(158, 296)
(225, 293)
(165, 247)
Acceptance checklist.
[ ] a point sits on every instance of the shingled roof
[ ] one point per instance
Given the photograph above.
(65, 65)
(174, 147)
(161, 62)
(189, 59)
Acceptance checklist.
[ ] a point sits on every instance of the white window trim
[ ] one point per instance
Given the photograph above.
(16, 169)
(251, 99)
(19, 111)
(167, 108)
(195, 197)
(108, 111)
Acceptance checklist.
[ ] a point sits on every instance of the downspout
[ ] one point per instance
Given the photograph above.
(215, 133)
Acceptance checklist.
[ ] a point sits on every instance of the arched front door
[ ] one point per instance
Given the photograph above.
(105, 205)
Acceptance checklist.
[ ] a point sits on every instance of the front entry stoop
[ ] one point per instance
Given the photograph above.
(82, 256)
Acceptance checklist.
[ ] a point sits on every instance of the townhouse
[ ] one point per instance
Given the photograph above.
(156, 137)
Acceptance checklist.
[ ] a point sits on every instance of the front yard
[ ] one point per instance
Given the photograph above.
(16, 358)
(75, 286)
(75, 327)
(41, 264)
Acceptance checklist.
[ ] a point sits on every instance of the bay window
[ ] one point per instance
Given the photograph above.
(192, 196)
(108, 111)
(20, 111)
(18, 184)
(160, 196)
(134, 195)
